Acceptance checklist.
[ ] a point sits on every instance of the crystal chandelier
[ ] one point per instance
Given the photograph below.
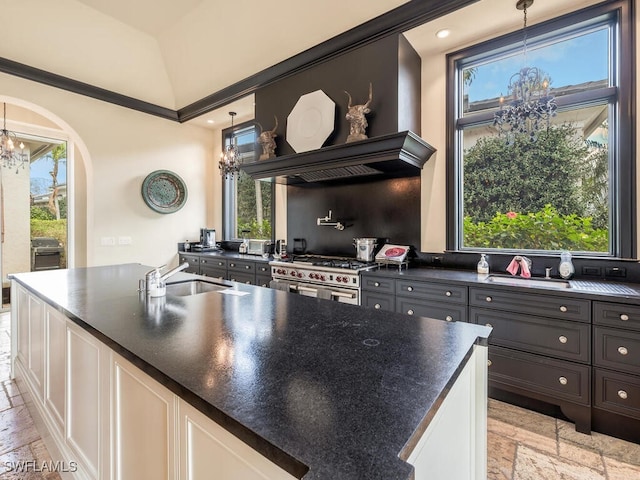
(230, 160)
(531, 107)
(8, 155)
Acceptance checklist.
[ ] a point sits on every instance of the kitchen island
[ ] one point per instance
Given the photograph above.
(284, 385)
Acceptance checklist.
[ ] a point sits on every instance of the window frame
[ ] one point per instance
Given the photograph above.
(623, 202)
(229, 220)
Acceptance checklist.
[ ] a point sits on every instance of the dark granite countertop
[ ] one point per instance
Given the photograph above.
(340, 390)
(593, 290)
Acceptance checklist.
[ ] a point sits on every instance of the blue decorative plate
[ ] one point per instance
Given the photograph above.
(164, 191)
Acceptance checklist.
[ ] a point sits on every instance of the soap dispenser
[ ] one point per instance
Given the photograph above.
(483, 265)
(566, 268)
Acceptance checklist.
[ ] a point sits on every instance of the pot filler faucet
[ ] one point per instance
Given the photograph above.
(154, 284)
(326, 221)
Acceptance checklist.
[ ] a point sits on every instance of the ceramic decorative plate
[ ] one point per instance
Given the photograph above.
(311, 121)
(393, 253)
(164, 191)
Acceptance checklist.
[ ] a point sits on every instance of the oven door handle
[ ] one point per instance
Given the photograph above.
(302, 288)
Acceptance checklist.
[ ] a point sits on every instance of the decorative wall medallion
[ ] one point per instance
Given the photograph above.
(311, 121)
(164, 191)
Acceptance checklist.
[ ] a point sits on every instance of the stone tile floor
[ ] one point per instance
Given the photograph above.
(522, 445)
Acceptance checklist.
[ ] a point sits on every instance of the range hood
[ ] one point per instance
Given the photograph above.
(396, 155)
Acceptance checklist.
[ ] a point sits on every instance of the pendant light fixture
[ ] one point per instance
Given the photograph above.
(9, 157)
(531, 107)
(230, 157)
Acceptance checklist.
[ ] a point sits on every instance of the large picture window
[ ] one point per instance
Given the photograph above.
(564, 185)
(248, 205)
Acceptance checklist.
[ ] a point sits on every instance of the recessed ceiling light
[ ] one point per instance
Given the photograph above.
(444, 33)
(211, 121)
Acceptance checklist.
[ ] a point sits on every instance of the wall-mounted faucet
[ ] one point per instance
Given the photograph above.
(327, 222)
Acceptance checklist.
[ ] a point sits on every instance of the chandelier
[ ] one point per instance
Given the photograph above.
(8, 155)
(230, 160)
(531, 107)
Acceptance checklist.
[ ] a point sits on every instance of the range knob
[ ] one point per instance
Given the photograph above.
(299, 275)
(293, 274)
(345, 279)
(322, 277)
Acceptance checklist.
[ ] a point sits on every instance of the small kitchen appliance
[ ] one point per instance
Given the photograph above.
(258, 247)
(207, 237)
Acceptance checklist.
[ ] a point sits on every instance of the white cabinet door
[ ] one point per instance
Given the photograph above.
(36, 344)
(209, 451)
(143, 425)
(83, 398)
(22, 323)
(54, 392)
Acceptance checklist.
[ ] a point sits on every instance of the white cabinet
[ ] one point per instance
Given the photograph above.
(21, 325)
(30, 331)
(84, 398)
(55, 362)
(204, 443)
(143, 425)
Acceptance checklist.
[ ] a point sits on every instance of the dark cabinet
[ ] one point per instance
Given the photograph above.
(432, 299)
(254, 272)
(378, 292)
(192, 260)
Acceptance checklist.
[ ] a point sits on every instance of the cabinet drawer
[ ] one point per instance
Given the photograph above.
(379, 301)
(442, 311)
(242, 277)
(378, 284)
(440, 292)
(212, 272)
(263, 269)
(192, 260)
(558, 379)
(241, 266)
(617, 349)
(616, 315)
(617, 393)
(565, 308)
(263, 280)
(556, 338)
(214, 262)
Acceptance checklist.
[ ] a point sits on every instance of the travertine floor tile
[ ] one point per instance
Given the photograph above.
(12, 466)
(534, 465)
(610, 447)
(501, 454)
(523, 436)
(527, 419)
(621, 471)
(583, 456)
(16, 429)
(11, 388)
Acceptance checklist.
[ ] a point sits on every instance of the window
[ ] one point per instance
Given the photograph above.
(248, 205)
(565, 186)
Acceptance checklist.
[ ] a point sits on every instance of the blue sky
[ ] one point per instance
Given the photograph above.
(40, 177)
(571, 62)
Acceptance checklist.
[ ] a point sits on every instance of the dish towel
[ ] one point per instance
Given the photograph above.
(519, 263)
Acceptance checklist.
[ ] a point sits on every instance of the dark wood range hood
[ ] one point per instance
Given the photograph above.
(396, 155)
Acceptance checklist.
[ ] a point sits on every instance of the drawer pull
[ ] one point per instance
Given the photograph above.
(622, 394)
(409, 289)
(220, 263)
(248, 282)
(488, 363)
(562, 339)
(247, 267)
(488, 325)
(623, 350)
(448, 293)
(489, 299)
(563, 308)
(377, 306)
(232, 264)
(409, 312)
(376, 284)
(624, 317)
(563, 380)
(449, 318)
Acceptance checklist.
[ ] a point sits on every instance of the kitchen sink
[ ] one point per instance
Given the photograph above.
(529, 282)
(193, 287)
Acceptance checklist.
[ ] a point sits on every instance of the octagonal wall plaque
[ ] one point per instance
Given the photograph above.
(311, 121)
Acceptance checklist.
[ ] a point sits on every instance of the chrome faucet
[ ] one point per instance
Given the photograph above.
(154, 283)
(326, 221)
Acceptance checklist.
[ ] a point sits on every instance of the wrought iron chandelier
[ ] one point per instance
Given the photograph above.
(230, 160)
(9, 157)
(531, 107)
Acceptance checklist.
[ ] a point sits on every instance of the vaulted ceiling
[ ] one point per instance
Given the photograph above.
(173, 53)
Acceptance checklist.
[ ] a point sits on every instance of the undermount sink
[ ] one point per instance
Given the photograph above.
(193, 287)
(530, 282)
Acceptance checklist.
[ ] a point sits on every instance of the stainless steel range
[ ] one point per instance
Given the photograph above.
(334, 278)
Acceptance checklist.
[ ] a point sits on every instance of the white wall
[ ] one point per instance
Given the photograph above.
(122, 147)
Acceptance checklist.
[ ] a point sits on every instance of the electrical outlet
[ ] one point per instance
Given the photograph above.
(107, 241)
(124, 240)
(593, 271)
(617, 272)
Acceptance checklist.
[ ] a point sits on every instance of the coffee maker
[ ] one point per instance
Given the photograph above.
(207, 238)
